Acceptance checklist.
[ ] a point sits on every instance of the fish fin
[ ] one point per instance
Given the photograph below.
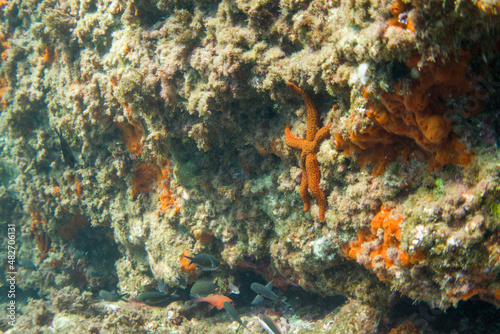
(217, 283)
(264, 325)
(269, 285)
(190, 258)
(200, 300)
(241, 324)
(283, 300)
(257, 300)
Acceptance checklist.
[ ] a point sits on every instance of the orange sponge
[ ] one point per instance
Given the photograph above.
(186, 264)
(414, 118)
(386, 248)
(435, 128)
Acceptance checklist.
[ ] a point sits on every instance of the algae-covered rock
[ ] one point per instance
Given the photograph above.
(175, 113)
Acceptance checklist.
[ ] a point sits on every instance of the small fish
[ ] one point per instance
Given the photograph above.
(68, 156)
(205, 262)
(181, 282)
(203, 288)
(111, 297)
(27, 264)
(228, 306)
(266, 292)
(94, 274)
(268, 324)
(78, 254)
(216, 300)
(235, 289)
(161, 285)
(155, 297)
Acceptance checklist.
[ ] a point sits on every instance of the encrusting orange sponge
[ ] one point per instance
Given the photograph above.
(490, 7)
(415, 113)
(186, 264)
(398, 8)
(384, 236)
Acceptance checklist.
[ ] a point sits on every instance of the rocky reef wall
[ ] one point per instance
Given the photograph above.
(175, 113)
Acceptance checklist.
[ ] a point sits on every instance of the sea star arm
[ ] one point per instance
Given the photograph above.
(291, 141)
(312, 172)
(322, 134)
(312, 111)
(304, 194)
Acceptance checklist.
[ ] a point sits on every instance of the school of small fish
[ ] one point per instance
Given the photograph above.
(206, 290)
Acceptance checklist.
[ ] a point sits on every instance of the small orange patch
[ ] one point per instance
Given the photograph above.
(78, 187)
(186, 264)
(4, 44)
(114, 82)
(204, 236)
(38, 229)
(127, 49)
(49, 55)
(145, 177)
(167, 196)
(57, 191)
(471, 293)
(132, 134)
(490, 7)
(398, 8)
(3, 87)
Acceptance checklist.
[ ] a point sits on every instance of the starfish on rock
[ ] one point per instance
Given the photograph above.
(309, 148)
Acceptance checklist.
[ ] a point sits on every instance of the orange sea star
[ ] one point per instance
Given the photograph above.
(309, 148)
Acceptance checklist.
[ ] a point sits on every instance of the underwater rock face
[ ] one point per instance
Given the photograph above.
(170, 143)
